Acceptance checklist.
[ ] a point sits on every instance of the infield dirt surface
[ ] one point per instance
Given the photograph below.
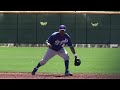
(57, 76)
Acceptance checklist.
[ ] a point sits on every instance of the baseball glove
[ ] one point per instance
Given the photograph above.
(77, 62)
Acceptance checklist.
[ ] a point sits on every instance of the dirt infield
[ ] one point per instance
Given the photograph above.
(57, 76)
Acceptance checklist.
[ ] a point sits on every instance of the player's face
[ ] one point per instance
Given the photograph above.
(62, 32)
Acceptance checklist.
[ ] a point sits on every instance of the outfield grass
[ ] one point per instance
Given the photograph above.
(94, 60)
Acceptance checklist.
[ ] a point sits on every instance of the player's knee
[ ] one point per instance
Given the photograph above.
(42, 62)
(66, 57)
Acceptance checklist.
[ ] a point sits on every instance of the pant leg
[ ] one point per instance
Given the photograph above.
(63, 53)
(49, 54)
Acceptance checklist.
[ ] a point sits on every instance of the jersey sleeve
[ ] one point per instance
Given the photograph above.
(69, 41)
(50, 39)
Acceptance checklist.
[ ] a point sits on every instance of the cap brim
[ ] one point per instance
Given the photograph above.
(62, 29)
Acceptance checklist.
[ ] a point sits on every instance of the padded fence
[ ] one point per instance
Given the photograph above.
(83, 27)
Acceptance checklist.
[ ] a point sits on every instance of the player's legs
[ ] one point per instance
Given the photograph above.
(64, 54)
(49, 54)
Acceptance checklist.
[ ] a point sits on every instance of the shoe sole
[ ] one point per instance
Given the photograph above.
(33, 73)
(69, 75)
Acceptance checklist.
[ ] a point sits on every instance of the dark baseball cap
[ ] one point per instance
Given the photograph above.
(62, 27)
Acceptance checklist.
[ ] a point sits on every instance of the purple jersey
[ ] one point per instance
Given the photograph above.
(58, 41)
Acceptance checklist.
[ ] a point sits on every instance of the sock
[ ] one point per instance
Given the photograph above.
(38, 65)
(66, 64)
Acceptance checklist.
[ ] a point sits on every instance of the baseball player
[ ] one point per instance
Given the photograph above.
(55, 45)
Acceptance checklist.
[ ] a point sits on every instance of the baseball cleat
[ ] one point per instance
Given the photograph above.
(34, 71)
(67, 73)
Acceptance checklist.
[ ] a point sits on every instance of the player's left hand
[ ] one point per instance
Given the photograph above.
(75, 56)
(77, 61)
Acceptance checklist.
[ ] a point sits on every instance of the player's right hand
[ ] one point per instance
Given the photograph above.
(49, 45)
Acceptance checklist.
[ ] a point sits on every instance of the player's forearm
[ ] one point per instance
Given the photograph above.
(73, 51)
(48, 44)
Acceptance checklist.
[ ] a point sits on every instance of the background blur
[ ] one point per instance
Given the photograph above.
(86, 28)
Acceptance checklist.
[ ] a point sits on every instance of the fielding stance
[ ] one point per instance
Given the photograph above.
(55, 45)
